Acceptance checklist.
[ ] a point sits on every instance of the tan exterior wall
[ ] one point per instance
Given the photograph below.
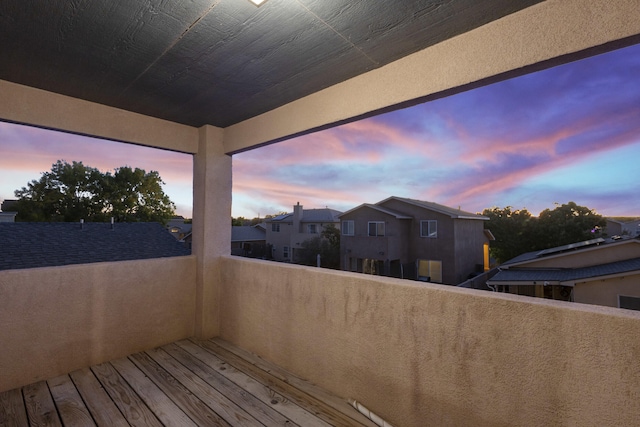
(59, 319)
(432, 355)
(606, 291)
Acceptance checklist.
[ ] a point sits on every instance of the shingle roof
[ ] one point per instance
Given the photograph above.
(35, 244)
(247, 233)
(310, 215)
(566, 274)
(452, 212)
(396, 214)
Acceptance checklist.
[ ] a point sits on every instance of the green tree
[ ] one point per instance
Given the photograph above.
(511, 228)
(136, 195)
(327, 245)
(517, 232)
(73, 191)
(567, 223)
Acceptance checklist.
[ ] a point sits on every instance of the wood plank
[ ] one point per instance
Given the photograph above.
(163, 407)
(71, 408)
(195, 408)
(13, 413)
(223, 403)
(329, 407)
(130, 404)
(104, 411)
(202, 359)
(40, 407)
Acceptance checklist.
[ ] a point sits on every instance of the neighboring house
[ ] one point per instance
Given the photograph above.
(598, 271)
(178, 227)
(40, 244)
(414, 239)
(8, 216)
(623, 227)
(285, 233)
(249, 240)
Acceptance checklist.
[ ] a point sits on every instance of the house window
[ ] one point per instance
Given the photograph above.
(429, 228)
(630, 303)
(430, 270)
(312, 229)
(376, 228)
(275, 227)
(285, 252)
(348, 228)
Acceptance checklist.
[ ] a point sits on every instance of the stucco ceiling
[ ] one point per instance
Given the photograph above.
(218, 62)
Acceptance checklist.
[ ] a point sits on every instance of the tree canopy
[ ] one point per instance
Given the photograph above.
(517, 231)
(327, 245)
(73, 191)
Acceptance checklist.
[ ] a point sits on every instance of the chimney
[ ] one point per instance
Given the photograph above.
(82, 224)
(112, 223)
(297, 217)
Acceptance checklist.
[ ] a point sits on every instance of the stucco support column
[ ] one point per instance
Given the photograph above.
(211, 225)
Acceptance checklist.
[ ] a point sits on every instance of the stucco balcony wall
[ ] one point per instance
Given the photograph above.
(58, 319)
(424, 354)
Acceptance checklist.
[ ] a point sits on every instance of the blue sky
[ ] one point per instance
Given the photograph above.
(571, 133)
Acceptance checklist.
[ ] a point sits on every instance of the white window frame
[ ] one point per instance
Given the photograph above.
(350, 227)
(275, 227)
(380, 229)
(431, 226)
(313, 227)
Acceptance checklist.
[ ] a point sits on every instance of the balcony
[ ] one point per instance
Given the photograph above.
(415, 354)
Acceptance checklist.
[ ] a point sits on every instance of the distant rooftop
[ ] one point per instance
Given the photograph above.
(39, 244)
(311, 215)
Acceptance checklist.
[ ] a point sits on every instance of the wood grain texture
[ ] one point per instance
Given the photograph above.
(71, 407)
(130, 404)
(104, 411)
(12, 410)
(201, 361)
(40, 407)
(327, 406)
(195, 408)
(161, 405)
(189, 383)
(177, 360)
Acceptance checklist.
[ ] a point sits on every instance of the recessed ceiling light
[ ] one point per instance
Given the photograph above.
(258, 2)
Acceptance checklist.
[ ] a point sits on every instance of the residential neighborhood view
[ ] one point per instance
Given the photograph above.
(569, 253)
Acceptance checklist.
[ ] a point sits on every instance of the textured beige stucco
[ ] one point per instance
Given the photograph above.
(211, 224)
(433, 355)
(24, 104)
(509, 45)
(58, 319)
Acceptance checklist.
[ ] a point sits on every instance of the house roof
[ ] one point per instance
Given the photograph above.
(446, 210)
(219, 62)
(452, 212)
(395, 214)
(247, 233)
(35, 244)
(310, 215)
(559, 250)
(559, 275)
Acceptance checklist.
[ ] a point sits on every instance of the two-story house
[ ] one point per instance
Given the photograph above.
(414, 239)
(285, 233)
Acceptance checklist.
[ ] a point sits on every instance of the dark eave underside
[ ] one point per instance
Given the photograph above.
(218, 62)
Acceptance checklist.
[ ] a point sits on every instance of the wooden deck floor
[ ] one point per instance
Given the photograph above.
(187, 383)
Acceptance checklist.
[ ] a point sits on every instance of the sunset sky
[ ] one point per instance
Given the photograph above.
(571, 133)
